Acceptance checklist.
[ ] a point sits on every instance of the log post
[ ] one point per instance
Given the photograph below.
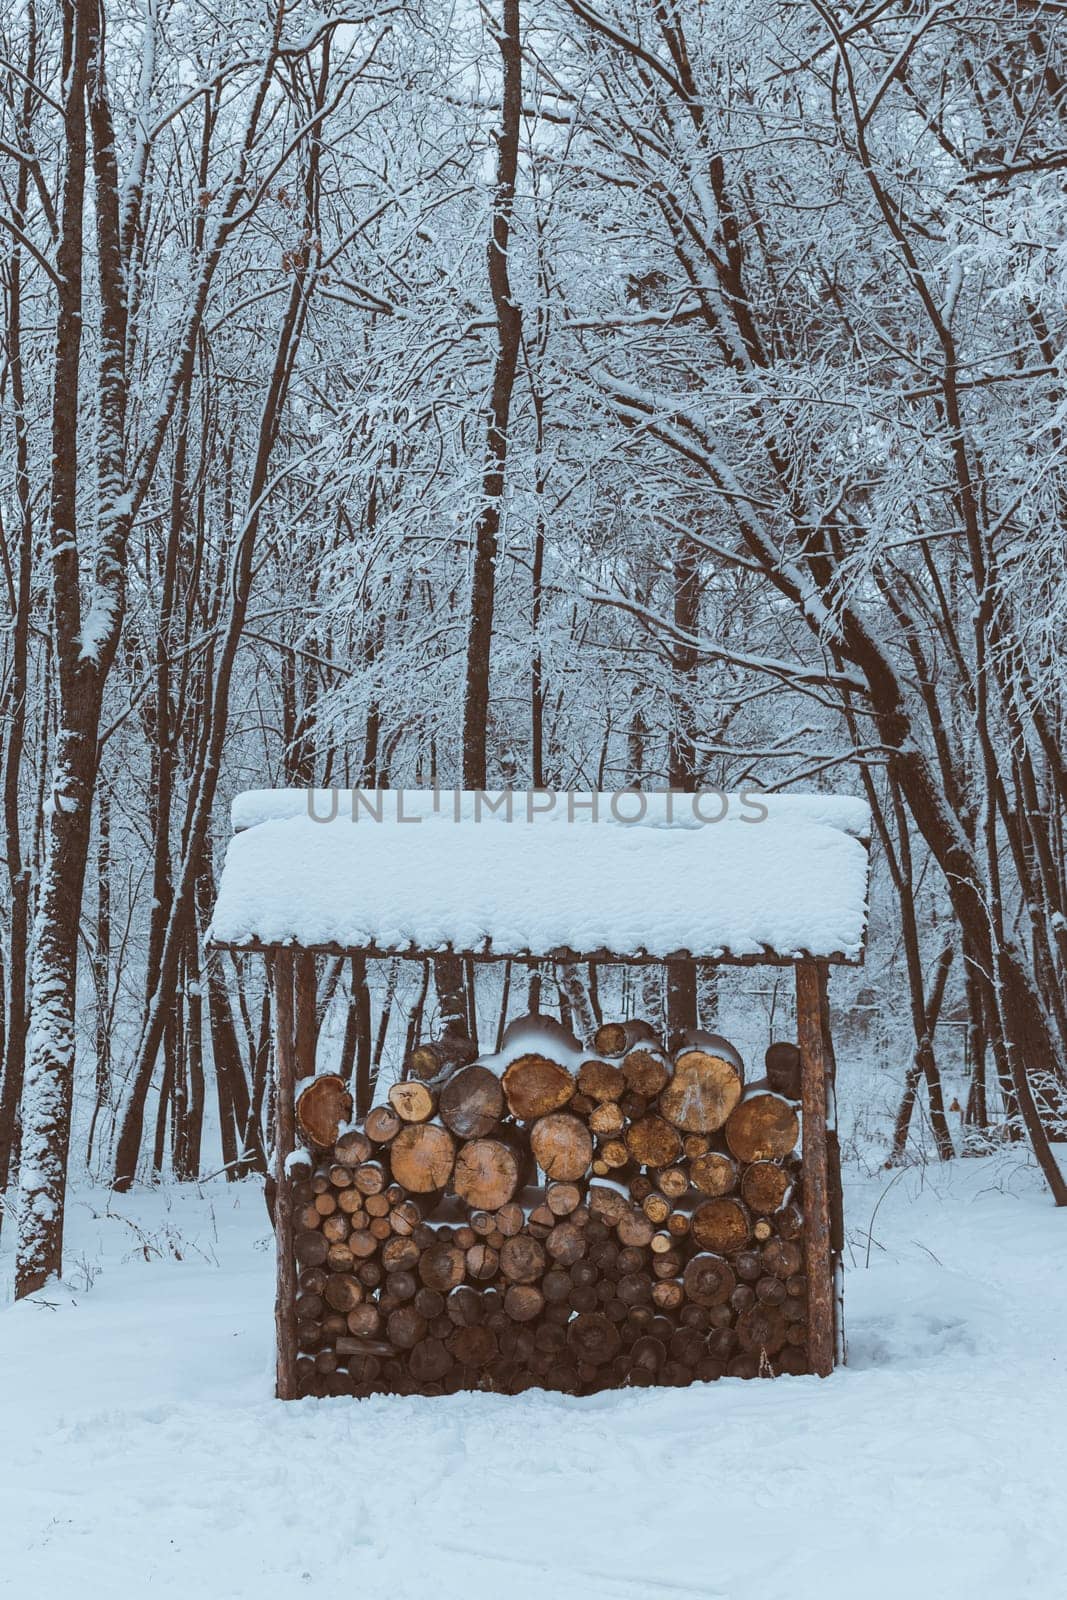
(818, 1258)
(833, 1156)
(284, 1143)
(305, 1014)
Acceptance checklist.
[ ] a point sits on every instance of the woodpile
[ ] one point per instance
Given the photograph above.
(559, 1219)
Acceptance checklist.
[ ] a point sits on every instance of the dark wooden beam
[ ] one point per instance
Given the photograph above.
(817, 1245)
(371, 952)
(284, 1144)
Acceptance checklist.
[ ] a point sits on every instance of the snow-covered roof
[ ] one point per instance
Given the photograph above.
(776, 877)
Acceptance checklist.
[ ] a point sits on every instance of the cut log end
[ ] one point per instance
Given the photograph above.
(653, 1142)
(486, 1174)
(763, 1127)
(471, 1103)
(703, 1091)
(413, 1101)
(764, 1186)
(646, 1071)
(534, 1086)
(721, 1226)
(322, 1108)
(562, 1146)
(422, 1157)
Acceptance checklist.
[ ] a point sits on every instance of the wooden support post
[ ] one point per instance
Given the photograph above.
(833, 1161)
(284, 1144)
(818, 1254)
(306, 1025)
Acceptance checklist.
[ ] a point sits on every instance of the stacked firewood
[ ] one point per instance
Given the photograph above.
(630, 1218)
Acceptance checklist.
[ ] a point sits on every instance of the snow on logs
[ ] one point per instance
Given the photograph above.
(662, 1241)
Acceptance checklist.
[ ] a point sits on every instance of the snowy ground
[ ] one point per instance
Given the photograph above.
(142, 1454)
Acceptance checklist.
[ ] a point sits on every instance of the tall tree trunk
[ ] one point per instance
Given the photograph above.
(48, 1088)
(707, 996)
(102, 965)
(19, 867)
(925, 1014)
(533, 990)
(194, 1054)
(509, 334)
(681, 1000)
(165, 1109)
(651, 990)
(453, 1009)
(205, 784)
(231, 1085)
(574, 987)
(681, 757)
(977, 1111)
(361, 1009)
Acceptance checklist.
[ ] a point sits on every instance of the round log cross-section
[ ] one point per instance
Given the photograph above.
(486, 1174)
(764, 1127)
(703, 1091)
(422, 1157)
(535, 1086)
(472, 1102)
(653, 1142)
(562, 1146)
(764, 1186)
(713, 1174)
(321, 1109)
(709, 1279)
(721, 1225)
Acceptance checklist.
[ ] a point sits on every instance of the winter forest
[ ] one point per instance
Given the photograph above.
(571, 395)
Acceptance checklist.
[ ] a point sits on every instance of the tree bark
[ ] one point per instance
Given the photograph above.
(15, 707)
(509, 334)
(48, 1087)
(925, 1065)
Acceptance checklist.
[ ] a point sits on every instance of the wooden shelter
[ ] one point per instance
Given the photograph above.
(626, 878)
